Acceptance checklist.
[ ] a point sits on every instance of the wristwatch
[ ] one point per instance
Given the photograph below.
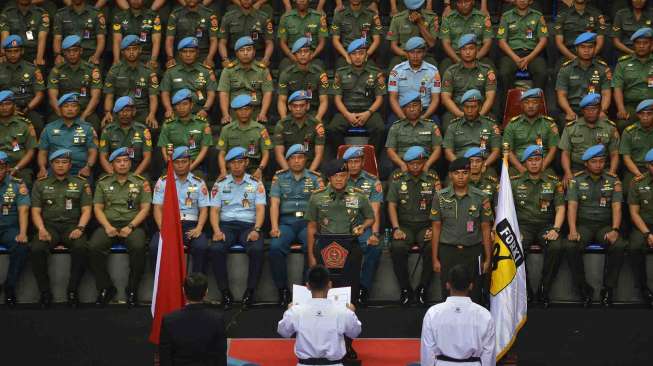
(377, 234)
(257, 229)
(556, 229)
(130, 226)
(81, 228)
(615, 229)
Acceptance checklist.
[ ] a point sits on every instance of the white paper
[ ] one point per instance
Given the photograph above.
(300, 295)
(339, 295)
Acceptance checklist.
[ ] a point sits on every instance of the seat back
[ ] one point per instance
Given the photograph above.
(369, 165)
(513, 106)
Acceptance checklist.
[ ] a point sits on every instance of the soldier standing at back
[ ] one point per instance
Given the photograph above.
(571, 22)
(351, 23)
(246, 20)
(143, 22)
(84, 21)
(302, 22)
(415, 21)
(636, 141)
(31, 23)
(197, 21)
(18, 139)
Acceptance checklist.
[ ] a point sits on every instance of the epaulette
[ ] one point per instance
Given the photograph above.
(513, 119)
(206, 66)
(280, 171)
(631, 127)
(320, 190)
(491, 178)
(570, 123)
(43, 178)
(515, 176)
(139, 176)
(611, 174)
(567, 62)
(169, 120)
(314, 172)
(456, 120)
(342, 68)
(357, 190)
(221, 179)
(579, 173)
(624, 58)
(610, 122)
(489, 118)
(105, 176)
(548, 118)
(601, 62)
(16, 180)
(231, 65)
(203, 119)
(432, 174)
(398, 174)
(261, 65)
(81, 177)
(163, 177)
(554, 177)
(254, 179)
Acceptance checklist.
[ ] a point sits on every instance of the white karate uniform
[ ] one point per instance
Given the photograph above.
(320, 325)
(460, 329)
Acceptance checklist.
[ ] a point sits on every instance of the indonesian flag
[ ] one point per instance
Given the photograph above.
(508, 300)
(168, 295)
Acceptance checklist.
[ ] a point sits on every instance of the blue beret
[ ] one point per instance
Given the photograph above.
(118, 153)
(584, 38)
(121, 103)
(531, 93)
(413, 4)
(180, 152)
(408, 97)
(70, 41)
(4, 158)
(298, 95)
(466, 39)
(61, 153)
(240, 101)
(188, 42)
(590, 99)
(593, 152)
(415, 153)
(649, 156)
(471, 95)
(68, 98)
(333, 167)
(643, 105)
(237, 152)
(12, 41)
(295, 149)
(531, 150)
(473, 152)
(181, 94)
(356, 44)
(244, 41)
(353, 152)
(129, 40)
(642, 32)
(413, 43)
(300, 43)
(6, 95)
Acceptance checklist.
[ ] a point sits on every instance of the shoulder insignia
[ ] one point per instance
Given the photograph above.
(611, 174)
(570, 123)
(261, 65)
(549, 118)
(43, 178)
(491, 178)
(139, 176)
(80, 177)
(513, 119)
(567, 62)
(106, 176)
(515, 176)
(611, 123)
(314, 172)
(171, 119)
(203, 119)
(631, 127)
(554, 177)
(624, 58)
(320, 190)
(280, 171)
(601, 62)
(398, 174)
(579, 173)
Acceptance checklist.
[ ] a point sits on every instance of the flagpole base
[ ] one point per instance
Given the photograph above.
(510, 359)
(156, 358)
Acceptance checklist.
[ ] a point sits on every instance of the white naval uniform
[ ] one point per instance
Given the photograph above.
(460, 329)
(320, 325)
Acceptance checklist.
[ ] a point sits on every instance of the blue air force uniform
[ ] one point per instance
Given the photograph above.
(13, 193)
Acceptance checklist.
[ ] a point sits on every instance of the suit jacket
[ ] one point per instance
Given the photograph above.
(193, 336)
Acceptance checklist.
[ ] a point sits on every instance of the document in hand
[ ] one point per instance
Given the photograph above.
(339, 295)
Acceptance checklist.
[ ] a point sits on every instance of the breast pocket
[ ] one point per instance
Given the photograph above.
(122, 83)
(579, 139)
(49, 198)
(235, 83)
(346, 28)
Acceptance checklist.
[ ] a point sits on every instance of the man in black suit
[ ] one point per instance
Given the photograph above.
(194, 335)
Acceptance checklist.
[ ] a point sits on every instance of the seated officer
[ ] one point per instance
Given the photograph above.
(415, 21)
(571, 22)
(594, 215)
(237, 217)
(636, 141)
(121, 204)
(13, 226)
(641, 215)
(299, 127)
(289, 194)
(193, 199)
(61, 209)
(409, 199)
(415, 75)
(18, 138)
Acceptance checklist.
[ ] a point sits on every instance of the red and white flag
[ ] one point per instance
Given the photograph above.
(170, 271)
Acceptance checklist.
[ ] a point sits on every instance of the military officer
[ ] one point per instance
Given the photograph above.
(192, 75)
(301, 128)
(302, 22)
(304, 75)
(143, 22)
(61, 210)
(248, 134)
(358, 90)
(121, 204)
(588, 131)
(398, 5)
(193, 197)
(246, 77)
(417, 75)
(531, 128)
(30, 22)
(289, 194)
(465, 19)
(415, 21)
(18, 139)
(186, 129)
(641, 215)
(467, 73)
(76, 76)
(636, 141)
(472, 130)
(237, 214)
(540, 208)
(409, 197)
(69, 132)
(13, 226)
(351, 23)
(246, 19)
(579, 18)
(583, 75)
(594, 215)
(84, 21)
(130, 78)
(411, 131)
(461, 218)
(125, 131)
(633, 77)
(197, 21)
(479, 177)
(626, 21)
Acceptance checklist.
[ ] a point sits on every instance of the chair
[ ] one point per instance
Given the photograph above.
(513, 106)
(369, 165)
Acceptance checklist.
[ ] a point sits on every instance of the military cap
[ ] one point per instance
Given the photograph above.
(71, 41)
(644, 32)
(594, 152)
(353, 152)
(531, 93)
(408, 97)
(6, 95)
(4, 158)
(356, 44)
(472, 95)
(649, 156)
(237, 152)
(459, 164)
(180, 152)
(584, 38)
(240, 101)
(187, 42)
(295, 149)
(413, 4)
(473, 152)
(466, 39)
(415, 153)
(60, 153)
(129, 40)
(643, 105)
(333, 167)
(242, 42)
(590, 99)
(414, 43)
(298, 95)
(531, 150)
(299, 44)
(118, 153)
(181, 94)
(12, 41)
(68, 98)
(122, 102)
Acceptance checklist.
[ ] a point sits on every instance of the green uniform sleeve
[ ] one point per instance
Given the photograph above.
(391, 142)
(572, 190)
(105, 141)
(166, 82)
(562, 81)
(96, 79)
(311, 212)
(265, 142)
(436, 136)
(559, 196)
(381, 87)
(212, 84)
(605, 78)
(617, 25)
(277, 135)
(625, 146)
(207, 137)
(154, 84)
(319, 134)
(447, 83)
(618, 77)
(44, 22)
(366, 208)
(633, 195)
(147, 147)
(116, 24)
(491, 80)
(53, 78)
(223, 83)
(393, 31)
(100, 24)
(335, 85)
(267, 85)
(171, 29)
(36, 194)
(109, 81)
(565, 143)
(223, 30)
(391, 195)
(98, 197)
(447, 142)
(558, 27)
(508, 137)
(542, 31)
(146, 193)
(163, 136)
(433, 25)
(502, 29)
(486, 214)
(4, 26)
(57, 25)
(488, 33)
(495, 137)
(87, 197)
(435, 208)
(224, 137)
(282, 30)
(324, 83)
(554, 137)
(617, 194)
(335, 23)
(445, 29)
(377, 27)
(283, 83)
(324, 27)
(614, 140)
(213, 28)
(269, 30)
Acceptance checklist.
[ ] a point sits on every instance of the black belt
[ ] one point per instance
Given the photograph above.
(460, 246)
(318, 361)
(460, 360)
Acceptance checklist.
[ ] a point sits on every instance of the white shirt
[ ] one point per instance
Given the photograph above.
(320, 325)
(460, 329)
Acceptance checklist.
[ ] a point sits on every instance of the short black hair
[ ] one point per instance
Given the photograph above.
(318, 278)
(460, 277)
(195, 286)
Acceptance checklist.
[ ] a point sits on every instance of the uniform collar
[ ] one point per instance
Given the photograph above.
(246, 179)
(529, 178)
(248, 126)
(63, 124)
(458, 300)
(361, 176)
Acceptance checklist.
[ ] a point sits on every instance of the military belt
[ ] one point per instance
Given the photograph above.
(318, 361)
(459, 360)
(461, 246)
